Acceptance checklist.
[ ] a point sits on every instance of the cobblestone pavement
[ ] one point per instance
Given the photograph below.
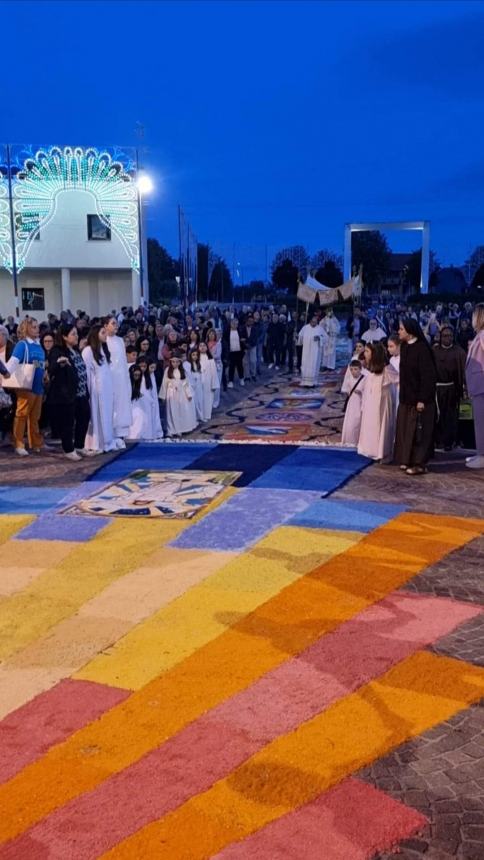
(441, 774)
(459, 575)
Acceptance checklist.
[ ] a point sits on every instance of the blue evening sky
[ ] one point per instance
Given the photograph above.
(272, 123)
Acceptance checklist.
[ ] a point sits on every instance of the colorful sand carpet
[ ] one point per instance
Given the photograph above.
(224, 685)
(282, 411)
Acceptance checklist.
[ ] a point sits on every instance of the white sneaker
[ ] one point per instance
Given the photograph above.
(476, 462)
(276, 367)
(91, 452)
(271, 366)
(242, 383)
(230, 384)
(120, 444)
(21, 452)
(73, 455)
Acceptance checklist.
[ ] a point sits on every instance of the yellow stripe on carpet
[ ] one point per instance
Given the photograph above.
(88, 569)
(23, 561)
(415, 695)
(10, 524)
(224, 598)
(100, 622)
(282, 627)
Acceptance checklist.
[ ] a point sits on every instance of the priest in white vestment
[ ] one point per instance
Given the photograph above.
(331, 326)
(312, 338)
(122, 413)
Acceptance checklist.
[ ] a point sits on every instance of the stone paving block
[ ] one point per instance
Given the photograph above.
(453, 798)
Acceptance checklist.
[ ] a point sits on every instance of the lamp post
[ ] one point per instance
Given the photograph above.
(144, 186)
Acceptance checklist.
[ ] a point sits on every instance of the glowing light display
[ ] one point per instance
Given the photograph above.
(39, 178)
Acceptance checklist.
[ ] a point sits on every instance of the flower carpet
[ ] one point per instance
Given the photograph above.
(221, 685)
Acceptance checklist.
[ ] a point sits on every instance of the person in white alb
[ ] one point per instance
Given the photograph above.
(312, 338)
(122, 412)
(332, 327)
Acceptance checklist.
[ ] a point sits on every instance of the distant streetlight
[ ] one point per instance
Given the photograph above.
(144, 185)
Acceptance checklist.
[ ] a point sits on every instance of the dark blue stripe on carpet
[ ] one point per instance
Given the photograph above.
(251, 460)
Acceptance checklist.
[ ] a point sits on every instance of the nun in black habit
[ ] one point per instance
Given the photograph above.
(414, 440)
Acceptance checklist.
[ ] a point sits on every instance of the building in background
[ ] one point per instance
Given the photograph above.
(71, 230)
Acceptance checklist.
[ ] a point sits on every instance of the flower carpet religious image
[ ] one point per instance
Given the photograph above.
(267, 666)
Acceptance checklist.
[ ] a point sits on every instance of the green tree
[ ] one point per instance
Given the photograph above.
(370, 249)
(478, 279)
(414, 269)
(320, 258)
(220, 285)
(295, 254)
(285, 276)
(329, 274)
(162, 272)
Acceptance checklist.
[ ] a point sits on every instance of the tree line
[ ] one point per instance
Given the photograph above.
(215, 283)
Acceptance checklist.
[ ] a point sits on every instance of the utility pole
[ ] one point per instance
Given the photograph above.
(12, 231)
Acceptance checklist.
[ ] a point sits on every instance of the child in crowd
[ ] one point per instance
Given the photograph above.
(210, 381)
(178, 396)
(378, 417)
(146, 424)
(193, 372)
(352, 420)
(394, 351)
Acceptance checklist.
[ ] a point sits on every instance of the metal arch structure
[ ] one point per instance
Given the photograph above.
(423, 226)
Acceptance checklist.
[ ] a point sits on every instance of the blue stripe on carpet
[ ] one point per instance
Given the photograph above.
(243, 519)
(165, 456)
(350, 515)
(251, 460)
(313, 469)
(57, 527)
(29, 500)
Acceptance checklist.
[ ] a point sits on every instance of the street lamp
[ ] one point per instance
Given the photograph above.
(144, 185)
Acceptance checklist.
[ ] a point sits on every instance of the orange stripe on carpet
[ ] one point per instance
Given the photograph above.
(409, 699)
(278, 629)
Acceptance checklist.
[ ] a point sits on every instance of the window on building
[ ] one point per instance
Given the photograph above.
(98, 229)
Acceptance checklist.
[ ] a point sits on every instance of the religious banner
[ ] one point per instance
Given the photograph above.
(306, 294)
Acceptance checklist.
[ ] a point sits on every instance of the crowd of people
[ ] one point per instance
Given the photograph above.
(408, 376)
(92, 385)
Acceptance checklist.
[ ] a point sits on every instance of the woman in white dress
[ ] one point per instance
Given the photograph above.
(210, 381)
(97, 358)
(377, 432)
(155, 403)
(121, 384)
(193, 371)
(178, 396)
(215, 349)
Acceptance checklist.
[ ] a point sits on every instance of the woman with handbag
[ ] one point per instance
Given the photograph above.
(475, 384)
(26, 368)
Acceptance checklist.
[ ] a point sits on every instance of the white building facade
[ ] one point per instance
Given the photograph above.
(70, 230)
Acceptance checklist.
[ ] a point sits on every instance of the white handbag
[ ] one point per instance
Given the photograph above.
(23, 375)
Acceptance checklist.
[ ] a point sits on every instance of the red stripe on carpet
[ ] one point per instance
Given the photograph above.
(209, 748)
(50, 718)
(352, 820)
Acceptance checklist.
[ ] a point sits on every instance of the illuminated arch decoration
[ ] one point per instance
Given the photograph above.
(5, 236)
(43, 176)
